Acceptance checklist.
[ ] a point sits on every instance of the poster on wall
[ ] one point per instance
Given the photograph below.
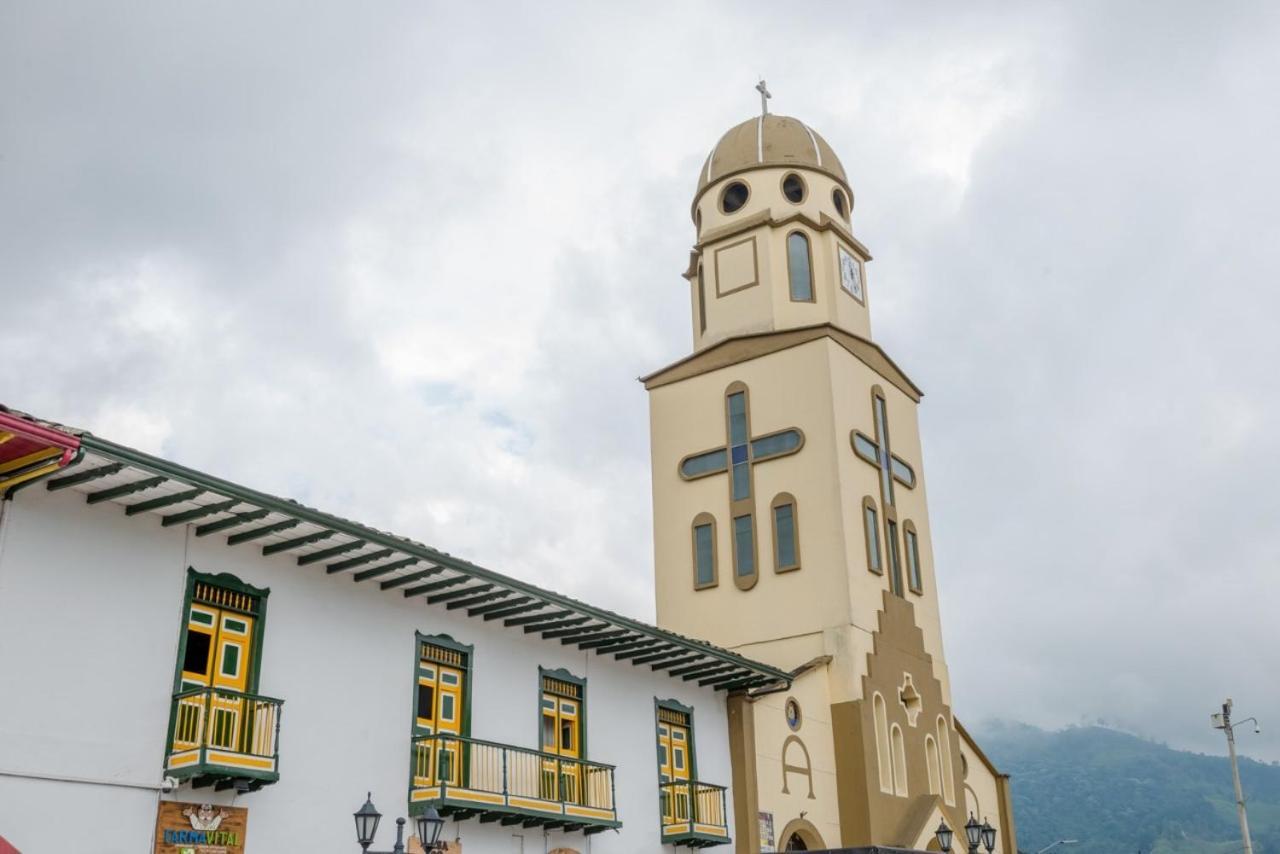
(766, 832)
(200, 829)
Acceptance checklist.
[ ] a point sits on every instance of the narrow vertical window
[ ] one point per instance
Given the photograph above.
(895, 562)
(702, 301)
(786, 547)
(914, 580)
(871, 522)
(744, 553)
(738, 455)
(704, 551)
(798, 267)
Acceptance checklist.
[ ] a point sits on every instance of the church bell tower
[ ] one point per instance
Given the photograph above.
(790, 521)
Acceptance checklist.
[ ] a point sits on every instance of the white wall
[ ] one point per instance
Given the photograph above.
(90, 617)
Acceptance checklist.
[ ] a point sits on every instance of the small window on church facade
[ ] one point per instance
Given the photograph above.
(837, 198)
(799, 268)
(744, 551)
(871, 522)
(793, 188)
(895, 560)
(914, 580)
(734, 197)
(786, 542)
(704, 551)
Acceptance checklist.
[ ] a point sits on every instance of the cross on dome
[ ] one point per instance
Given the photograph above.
(765, 95)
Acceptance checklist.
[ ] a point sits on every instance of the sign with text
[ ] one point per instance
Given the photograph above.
(200, 829)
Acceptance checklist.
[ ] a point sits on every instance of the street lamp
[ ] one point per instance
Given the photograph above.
(944, 835)
(428, 825)
(1052, 845)
(973, 833)
(988, 836)
(1223, 722)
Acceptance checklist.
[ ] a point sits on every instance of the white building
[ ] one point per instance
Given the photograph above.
(169, 639)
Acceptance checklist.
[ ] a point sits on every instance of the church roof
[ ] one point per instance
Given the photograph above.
(148, 486)
(770, 141)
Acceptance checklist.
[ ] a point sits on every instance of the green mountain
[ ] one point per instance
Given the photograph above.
(1118, 793)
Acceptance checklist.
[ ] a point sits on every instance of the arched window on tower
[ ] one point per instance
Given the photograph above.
(899, 761)
(914, 574)
(799, 268)
(871, 523)
(705, 571)
(786, 537)
(884, 757)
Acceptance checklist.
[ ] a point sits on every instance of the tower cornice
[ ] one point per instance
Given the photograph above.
(743, 348)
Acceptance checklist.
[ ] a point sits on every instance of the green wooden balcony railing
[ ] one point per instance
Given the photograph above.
(693, 813)
(466, 776)
(217, 736)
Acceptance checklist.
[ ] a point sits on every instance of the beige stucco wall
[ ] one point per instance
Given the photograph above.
(773, 736)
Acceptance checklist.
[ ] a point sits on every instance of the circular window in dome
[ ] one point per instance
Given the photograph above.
(734, 197)
(793, 188)
(841, 207)
(792, 710)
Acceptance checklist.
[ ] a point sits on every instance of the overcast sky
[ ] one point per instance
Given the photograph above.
(404, 261)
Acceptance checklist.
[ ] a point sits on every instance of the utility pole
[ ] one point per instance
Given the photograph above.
(1223, 722)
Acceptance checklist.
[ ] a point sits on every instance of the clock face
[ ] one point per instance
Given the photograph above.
(851, 275)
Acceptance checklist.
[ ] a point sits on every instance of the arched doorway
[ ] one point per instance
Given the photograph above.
(795, 843)
(801, 835)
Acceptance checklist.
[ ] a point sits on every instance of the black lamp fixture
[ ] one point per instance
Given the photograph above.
(944, 835)
(428, 824)
(988, 836)
(367, 818)
(973, 834)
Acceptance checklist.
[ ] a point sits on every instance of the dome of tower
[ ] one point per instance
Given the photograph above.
(769, 141)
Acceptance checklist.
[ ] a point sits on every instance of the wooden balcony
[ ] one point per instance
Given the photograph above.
(465, 778)
(226, 739)
(693, 814)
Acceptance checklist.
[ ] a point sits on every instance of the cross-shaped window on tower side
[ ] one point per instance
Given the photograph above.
(878, 453)
(738, 458)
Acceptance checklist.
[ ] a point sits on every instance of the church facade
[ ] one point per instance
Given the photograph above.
(788, 478)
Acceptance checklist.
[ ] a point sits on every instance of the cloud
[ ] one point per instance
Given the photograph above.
(405, 262)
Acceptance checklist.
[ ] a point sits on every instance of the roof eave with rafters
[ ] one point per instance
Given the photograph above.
(143, 484)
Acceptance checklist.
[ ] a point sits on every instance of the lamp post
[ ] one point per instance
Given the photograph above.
(988, 836)
(1223, 722)
(428, 824)
(973, 834)
(944, 835)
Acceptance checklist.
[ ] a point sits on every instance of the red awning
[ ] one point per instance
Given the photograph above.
(6, 848)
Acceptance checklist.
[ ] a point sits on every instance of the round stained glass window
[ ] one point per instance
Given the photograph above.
(794, 718)
(734, 197)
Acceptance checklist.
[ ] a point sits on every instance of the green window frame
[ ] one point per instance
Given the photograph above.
(244, 598)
